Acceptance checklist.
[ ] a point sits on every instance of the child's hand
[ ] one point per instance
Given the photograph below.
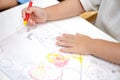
(74, 43)
(37, 15)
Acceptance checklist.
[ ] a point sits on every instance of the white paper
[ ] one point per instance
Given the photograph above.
(24, 56)
(33, 55)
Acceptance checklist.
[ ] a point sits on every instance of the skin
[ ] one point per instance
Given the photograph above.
(65, 9)
(77, 44)
(82, 44)
(6, 4)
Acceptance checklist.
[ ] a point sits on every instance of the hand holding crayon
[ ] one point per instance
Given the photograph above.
(33, 15)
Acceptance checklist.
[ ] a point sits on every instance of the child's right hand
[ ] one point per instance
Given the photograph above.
(37, 15)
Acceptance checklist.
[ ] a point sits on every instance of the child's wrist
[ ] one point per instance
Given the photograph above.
(90, 46)
(48, 17)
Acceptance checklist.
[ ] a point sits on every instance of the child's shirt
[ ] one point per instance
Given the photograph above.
(23, 1)
(108, 19)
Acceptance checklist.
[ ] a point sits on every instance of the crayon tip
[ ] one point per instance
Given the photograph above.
(25, 23)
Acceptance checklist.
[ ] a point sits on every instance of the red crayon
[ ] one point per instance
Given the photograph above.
(27, 15)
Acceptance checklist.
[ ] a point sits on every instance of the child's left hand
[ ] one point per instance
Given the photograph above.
(78, 43)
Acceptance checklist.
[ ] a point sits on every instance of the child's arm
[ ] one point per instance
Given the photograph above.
(81, 44)
(64, 9)
(106, 50)
(5, 4)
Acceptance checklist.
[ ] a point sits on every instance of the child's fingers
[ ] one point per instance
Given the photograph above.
(64, 43)
(24, 12)
(80, 34)
(31, 22)
(27, 10)
(32, 10)
(67, 50)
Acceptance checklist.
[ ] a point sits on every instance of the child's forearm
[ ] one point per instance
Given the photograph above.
(65, 9)
(107, 50)
(5, 4)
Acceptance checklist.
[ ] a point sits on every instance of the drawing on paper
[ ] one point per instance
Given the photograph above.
(78, 57)
(58, 59)
(6, 63)
(57, 72)
(29, 36)
(43, 72)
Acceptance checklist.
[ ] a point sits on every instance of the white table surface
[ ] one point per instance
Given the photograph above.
(12, 17)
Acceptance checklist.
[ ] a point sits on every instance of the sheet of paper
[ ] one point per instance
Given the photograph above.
(33, 55)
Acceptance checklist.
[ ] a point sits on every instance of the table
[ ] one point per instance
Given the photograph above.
(11, 22)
